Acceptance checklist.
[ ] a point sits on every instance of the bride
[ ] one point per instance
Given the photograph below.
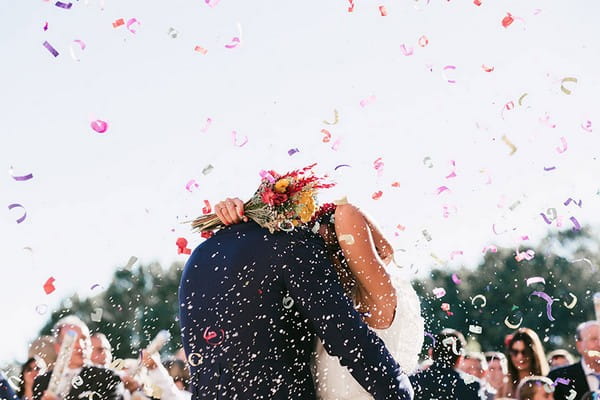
(381, 293)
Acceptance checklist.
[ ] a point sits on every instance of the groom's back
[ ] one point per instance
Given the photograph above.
(237, 319)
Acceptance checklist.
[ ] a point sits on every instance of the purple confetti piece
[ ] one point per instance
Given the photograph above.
(234, 43)
(342, 165)
(562, 381)
(46, 26)
(66, 6)
(291, 152)
(456, 279)
(15, 205)
(549, 302)
(549, 168)
(570, 199)
(431, 336)
(576, 226)
(545, 218)
(51, 49)
(20, 178)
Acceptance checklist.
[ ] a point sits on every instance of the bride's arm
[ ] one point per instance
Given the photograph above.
(358, 244)
(231, 211)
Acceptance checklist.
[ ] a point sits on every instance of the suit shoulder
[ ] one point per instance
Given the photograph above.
(565, 371)
(99, 372)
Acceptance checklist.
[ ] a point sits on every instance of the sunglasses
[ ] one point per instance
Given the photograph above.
(515, 352)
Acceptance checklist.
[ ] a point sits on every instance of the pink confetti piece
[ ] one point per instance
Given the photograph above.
(99, 126)
(587, 126)
(546, 121)
(15, 205)
(327, 136)
(525, 255)
(537, 11)
(46, 26)
(201, 50)
(491, 249)
(564, 147)
(351, 8)
(549, 302)
(367, 101)
(570, 200)
(439, 292)
(442, 189)
(234, 43)
(191, 183)
(477, 2)
(130, 22)
(576, 225)
(66, 6)
(455, 253)
(211, 3)
(267, 175)
(234, 136)
(19, 177)
(486, 68)
(446, 68)
(452, 174)
(549, 168)
(51, 49)
(378, 165)
(383, 11)
(207, 125)
(406, 51)
(423, 41)
(535, 279)
(448, 210)
(336, 145)
(118, 22)
(341, 165)
(395, 184)
(508, 20)
(207, 209)
(456, 279)
(377, 195)
(291, 152)
(81, 45)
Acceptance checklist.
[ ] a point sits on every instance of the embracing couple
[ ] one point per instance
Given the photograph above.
(297, 302)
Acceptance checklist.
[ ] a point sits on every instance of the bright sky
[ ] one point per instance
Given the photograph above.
(96, 199)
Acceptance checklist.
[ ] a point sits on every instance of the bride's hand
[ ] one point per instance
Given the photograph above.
(231, 211)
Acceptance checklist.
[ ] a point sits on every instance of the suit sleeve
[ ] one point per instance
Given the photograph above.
(313, 285)
(6, 391)
(40, 384)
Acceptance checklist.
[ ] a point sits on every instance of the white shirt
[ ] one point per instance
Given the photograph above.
(592, 380)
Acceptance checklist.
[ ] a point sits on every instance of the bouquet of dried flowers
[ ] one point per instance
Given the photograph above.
(280, 203)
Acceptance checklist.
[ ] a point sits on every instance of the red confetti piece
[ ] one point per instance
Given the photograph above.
(327, 136)
(377, 195)
(182, 246)
(209, 335)
(351, 8)
(201, 50)
(423, 41)
(396, 184)
(207, 234)
(401, 227)
(486, 68)
(117, 23)
(506, 21)
(383, 11)
(49, 285)
(207, 209)
(477, 2)
(99, 126)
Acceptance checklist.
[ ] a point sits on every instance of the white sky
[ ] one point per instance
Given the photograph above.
(97, 199)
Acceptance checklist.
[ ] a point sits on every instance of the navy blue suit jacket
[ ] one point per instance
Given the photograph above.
(441, 382)
(251, 303)
(577, 381)
(6, 392)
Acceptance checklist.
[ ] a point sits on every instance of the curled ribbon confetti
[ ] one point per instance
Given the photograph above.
(15, 205)
(546, 219)
(207, 209)
(535, 279)
(190, 184)
(336, 118)
(19, 177)
(234, 135)
(577, 203)
(194, 362)
(456, 279)
(130, 22)
(288, 302)
(234, 43)
(367, 101)
(452, 174)
(327, 136)
(72, 49)
(378, 165)
(207, 125)
(576, 225)
(207, 170)
(549, 302)
(173, 33)
(562, 84)
(423, 41)
(427, 162)
(483, 300)
(99, 126)
(513, 326)
(430, 336)
(549, 168)
(446, 68)
(182, 246)
(209, 335)
(525, 255)
(406, 51)
(587, 126)
(572, 303)
(513, 148)
(51, 49)
(521, 99)
(442, 189)
(564, 147)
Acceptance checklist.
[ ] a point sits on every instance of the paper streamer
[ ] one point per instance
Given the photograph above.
(549, 302)
(572, 303)
(562, 84)
(234, 43)
(564, 147)
(51, 49)
(513, 148)
(19, 178)
(570, 200)
(336, 118)
(442, 189)
(234, 136)
(341, 165)
(21, 218)
(130, 22)
(446, 68)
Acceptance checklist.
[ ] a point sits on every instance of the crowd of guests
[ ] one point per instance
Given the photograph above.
(522, 372)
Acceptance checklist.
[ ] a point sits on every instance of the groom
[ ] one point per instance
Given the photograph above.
(251, 303)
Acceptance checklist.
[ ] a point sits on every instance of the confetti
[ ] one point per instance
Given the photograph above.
(267, 175)
(426, 235)
(41, 309)
(77, 380)
(475, 329)
(562, 84)
(207, 209)
(383, 11)
(234, 43)
(342, 165)
(572, 303)
(546, 219)
(130, 22)
(377, 195)
(201, 50)
(190, 184)
(406, 51)
(81, 45)
(19, 177)
(513, 148)
(477, 2)
(562, 381)
(182, 246)
(513, 326)
(549, 168)
(455, 253)
(442, 189)
(99, 126)
(291, 152)
(570, 200)
(549, 302)
(456, 279)
(525, 255)
(336, 145)
(96, 316)
(365, 102)
(207, 125)
(483, 300)
(423, 41)
(395, 184)
(288, 302)
(378, 165)
(173, 33)
(336, 118)
(552, 212)
(401, 227)
(576, 225)
(349, 239)
(207, 234)
(207, 170)
(46, 26)
(211, 3)
(94, 286)
(486, 68)
(564, 147)
(51, 49)
(209, 335)
(439, 292)
(520, 101)
(118, 22)
(49, 285)
(587, 126)
(427, 162)
(535, 279)
(66, 6)
(446, 68)
(351, 8)
(508, 20)
(15, 205)
(234, 136)
(192, 362)
(452, 174)
(327, 136)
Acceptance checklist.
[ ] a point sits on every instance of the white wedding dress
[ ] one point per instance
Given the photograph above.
(403, 339)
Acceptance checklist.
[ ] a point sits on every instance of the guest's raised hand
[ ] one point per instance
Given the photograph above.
(231, 211)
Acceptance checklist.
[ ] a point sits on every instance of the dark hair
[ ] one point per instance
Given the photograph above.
(21, 392)
(448, 347)
(539, 365)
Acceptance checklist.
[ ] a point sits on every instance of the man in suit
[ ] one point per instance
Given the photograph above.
(583, 376)
(80, 379)
(441, 381)
(251, 303)
(6, 391)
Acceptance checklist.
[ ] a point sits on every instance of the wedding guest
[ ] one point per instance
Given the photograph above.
(583, 376)
(497, 369)
(44, 348)
(101, 350)
(441, 380)
(526, 357)
(29, 371)
(560, 358)
(535, 388)
(475, 364)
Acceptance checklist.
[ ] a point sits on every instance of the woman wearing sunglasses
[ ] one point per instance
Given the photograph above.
(29, 370)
